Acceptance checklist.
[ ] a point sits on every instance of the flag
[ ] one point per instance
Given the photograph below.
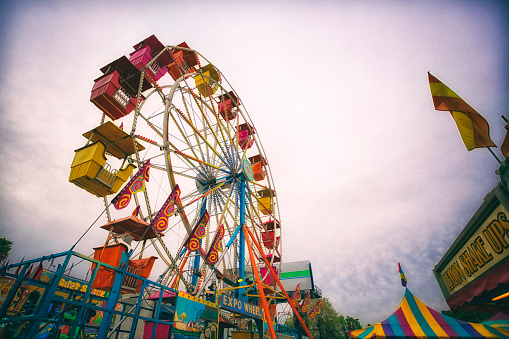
(136, 211)
(505, 144)
(27, 274)
(295, 296)
(136, 184)
(402, 275)
(316, 310)
(473, 128)
(38, 271)
(306, 302)
(199, 231)
(160, 222)
(19, 267)
(213, 255)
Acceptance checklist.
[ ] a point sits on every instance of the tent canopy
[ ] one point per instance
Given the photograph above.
(413, 319)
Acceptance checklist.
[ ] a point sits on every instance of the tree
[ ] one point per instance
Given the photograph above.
(5, 247)
(328, 324)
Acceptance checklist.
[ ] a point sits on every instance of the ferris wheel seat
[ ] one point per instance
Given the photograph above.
(265, 200)
(245, 139)
(272, 258)
(90, 171)
(111, 98)
(226, 109)
(156, 47)
(265, 205)
(140, 58)
(183, 61)
(111, 255)
(118, 143)
(258, 171)
(203, 82)
(271, 225)
(138, 229)
(227, 104)
(270, 240)
(268, 279)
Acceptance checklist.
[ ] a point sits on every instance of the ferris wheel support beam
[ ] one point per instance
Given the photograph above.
(276, 278)
(242, 238)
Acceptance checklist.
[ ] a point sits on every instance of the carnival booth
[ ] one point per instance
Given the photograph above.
(414, 319)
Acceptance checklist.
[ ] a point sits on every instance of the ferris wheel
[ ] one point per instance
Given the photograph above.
(168, 109)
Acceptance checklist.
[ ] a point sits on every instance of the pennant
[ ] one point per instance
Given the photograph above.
(38, 271)
(402, 275)
(136, 211)
(193, 241)
(316, 310)
(29, 271)
(306, 302)
(19, 267)
(52, 263)
(505, 144)
(217, 246)
(160, 222)
(296, 296)
(136, 184)
(473, 128)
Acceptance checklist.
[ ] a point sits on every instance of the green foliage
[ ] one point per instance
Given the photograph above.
(328, 323)
(5, 247)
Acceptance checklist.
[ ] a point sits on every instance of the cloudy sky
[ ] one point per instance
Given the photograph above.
(367, 173)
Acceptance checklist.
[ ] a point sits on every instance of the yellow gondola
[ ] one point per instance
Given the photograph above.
(89, 169)
(203, 81)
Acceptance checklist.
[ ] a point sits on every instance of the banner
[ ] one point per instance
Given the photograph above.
(136, 184)
(306, 302)
(213, 255)
(316, 310)
(193, 241)
(160, 222)
(296, 296)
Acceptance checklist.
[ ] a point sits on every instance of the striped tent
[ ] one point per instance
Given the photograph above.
(413, 319)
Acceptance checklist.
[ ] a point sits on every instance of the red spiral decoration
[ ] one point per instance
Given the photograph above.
(212, 257)
(123, 201)
(138, 184)
(200, 232)
(193, 244)
(161, 224)
(170, 209)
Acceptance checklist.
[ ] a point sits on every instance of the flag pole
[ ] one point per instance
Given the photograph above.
(489, 149)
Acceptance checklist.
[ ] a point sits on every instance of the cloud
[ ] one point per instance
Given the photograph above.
(367, 173)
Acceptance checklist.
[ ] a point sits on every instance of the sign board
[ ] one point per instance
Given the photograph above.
(482, 245)
(297, 272)
(240, 306)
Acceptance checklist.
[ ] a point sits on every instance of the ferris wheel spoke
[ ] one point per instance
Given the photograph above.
(198, 133)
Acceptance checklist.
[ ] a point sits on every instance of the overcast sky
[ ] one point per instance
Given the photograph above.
(367, 173)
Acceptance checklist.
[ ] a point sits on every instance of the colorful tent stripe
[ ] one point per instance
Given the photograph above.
(413, 319)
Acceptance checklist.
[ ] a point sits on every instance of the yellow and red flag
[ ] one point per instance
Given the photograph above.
(306, 302)
(473, 128)
(505, 144)
(160, 222)
(296, 296)
(316, 310)
(200, 230)
(136, 184)
(213, 255)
